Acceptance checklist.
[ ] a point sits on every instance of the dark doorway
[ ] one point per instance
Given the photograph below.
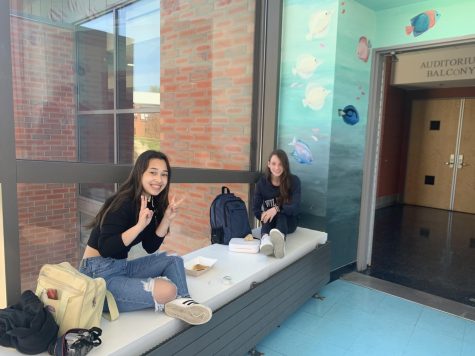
(432, 250)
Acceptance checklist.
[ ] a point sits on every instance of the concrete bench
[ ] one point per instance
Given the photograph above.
(262, 293)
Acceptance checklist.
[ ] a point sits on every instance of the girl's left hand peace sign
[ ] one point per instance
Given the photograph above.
(172, 208)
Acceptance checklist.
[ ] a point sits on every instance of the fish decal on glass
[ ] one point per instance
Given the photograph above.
(314, 96)
(363, 49)
(305, 66)
(318, 24)
(422, 22)
(349, 114)
(301, 152)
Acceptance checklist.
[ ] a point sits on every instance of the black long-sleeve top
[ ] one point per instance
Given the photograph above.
(107, 239)
(266, 194)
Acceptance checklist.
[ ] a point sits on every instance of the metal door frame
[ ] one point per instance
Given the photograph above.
(372, 144)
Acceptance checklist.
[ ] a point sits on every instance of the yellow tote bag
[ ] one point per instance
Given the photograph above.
(74, 299)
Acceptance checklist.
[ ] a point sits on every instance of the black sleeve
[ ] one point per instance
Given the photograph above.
(150, 241)
(115, 223)
(293, 207)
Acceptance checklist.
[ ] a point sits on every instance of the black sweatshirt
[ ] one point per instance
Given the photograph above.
(266, 194)
(107, 239)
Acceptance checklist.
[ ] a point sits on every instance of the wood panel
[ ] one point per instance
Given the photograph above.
(429, 150)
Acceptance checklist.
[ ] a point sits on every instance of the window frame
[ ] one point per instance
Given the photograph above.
(268, 22)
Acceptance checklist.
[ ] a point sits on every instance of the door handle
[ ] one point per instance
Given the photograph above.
(451, 161)
(460, 162)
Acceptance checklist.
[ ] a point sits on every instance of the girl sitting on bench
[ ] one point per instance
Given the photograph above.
(276, 204)
(141, 212)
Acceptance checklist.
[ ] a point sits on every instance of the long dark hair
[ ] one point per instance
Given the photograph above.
(132, 189)
(285, 186)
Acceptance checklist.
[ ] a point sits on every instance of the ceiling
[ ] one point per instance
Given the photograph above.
(378, 5)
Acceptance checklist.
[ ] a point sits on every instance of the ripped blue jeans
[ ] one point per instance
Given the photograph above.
(130, 281)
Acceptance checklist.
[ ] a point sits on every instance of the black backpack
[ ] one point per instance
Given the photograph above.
(27, 326)
(228, 218)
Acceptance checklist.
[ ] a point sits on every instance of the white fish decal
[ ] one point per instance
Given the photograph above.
(318, 24)
(305, 66)
(314, 96)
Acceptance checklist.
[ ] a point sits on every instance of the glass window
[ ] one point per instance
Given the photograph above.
(48, 227)
(106, 82)
(138, 55)
(96, 138)
(95, 63)
(138, 132)
(97, 191)
(43, 90)
(185, 71)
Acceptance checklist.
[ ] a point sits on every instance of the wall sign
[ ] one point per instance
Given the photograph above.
(436, 65)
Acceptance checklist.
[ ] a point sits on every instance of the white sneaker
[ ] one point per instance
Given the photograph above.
(278, 240)
(188, 310)
(266, 247)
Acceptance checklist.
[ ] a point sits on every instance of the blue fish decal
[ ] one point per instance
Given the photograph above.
(422, 22)
(301, 152)
(349, 114)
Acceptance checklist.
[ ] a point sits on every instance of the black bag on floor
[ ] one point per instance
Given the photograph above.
(27, 326)
(228, 218)
(76, 342)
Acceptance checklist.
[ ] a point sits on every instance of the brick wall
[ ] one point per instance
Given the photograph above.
(206, 95)
(45, 129)
(48, 228)
(43, 85)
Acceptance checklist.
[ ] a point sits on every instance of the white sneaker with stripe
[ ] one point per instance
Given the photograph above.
(188, 310)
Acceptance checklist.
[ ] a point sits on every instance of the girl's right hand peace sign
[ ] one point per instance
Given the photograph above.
(145, 214)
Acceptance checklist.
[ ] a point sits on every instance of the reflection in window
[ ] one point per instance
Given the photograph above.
(96, 138)
(48, 227)
(118, 67)
(138, 55)
(95, 63)
(138, 133)
(43, 89)
(97, 191)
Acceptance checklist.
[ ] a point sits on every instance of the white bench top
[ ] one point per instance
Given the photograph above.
(139, 331)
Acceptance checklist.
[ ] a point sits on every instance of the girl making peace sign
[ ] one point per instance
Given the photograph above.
(141, 212)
